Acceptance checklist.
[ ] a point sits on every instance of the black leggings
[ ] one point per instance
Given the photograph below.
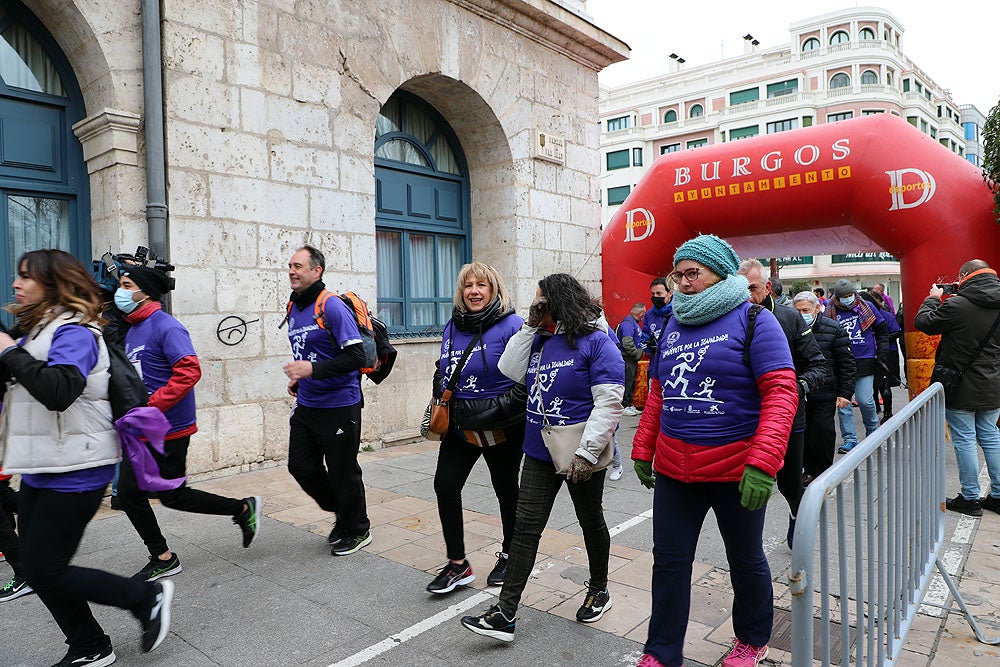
(135, 502)
(8, 538)
(52, 525)
(455, 461)
(790, 475)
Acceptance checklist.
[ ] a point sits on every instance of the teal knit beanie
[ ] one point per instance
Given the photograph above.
(713, 252)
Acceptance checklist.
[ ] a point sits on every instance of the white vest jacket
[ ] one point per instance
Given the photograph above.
(34, 439)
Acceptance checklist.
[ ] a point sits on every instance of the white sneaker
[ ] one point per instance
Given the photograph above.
(616, 473)
(630, 411)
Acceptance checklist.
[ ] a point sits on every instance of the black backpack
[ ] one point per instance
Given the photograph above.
(126, 390)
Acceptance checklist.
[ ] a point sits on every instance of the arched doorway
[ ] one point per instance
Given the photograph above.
(873, 182)
(44, 199)
(422, 220)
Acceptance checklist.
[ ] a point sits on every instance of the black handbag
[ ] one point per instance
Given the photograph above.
(950, 378)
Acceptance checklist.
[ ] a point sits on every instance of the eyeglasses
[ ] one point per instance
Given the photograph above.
(690, 274)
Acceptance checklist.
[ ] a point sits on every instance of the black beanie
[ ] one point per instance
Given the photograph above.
(153, 282)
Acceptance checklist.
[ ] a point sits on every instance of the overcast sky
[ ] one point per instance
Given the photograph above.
(957, 49)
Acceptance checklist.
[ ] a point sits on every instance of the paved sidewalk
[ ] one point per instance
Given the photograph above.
(286, 601)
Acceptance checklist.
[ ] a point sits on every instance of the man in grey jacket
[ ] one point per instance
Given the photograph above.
(966, 322)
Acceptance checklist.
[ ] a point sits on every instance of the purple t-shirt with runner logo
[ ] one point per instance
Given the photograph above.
(311, 343)
(564, 379)
(479, 378)
(153, 346)
(862, 342)
(73, 345)
(710, 396)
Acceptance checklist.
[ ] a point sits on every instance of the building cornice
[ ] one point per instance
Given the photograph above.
(555, 27)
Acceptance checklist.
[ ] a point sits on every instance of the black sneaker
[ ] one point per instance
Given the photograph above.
(499, 571)
(351, 544)
(336, 535)
(116, 504)
(249, 519)
(15, 588)
(491, 623)
(155, 617)
(990, 503)
(450, 576)
(96, 659)
(157, 569)
(594, 605)
(960, 504)
(790, 536)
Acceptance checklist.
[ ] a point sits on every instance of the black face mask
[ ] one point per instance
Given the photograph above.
(658, 301)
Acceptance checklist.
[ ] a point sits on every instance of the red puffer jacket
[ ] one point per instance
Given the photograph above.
(685, 462)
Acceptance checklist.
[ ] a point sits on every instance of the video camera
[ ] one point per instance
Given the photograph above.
(105, 270)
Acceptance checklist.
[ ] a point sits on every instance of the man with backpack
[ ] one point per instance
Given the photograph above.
(328, 352)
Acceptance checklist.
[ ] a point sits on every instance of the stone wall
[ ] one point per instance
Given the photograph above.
(270, 111)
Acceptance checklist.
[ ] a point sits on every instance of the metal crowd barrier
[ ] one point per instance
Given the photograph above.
(867, 539)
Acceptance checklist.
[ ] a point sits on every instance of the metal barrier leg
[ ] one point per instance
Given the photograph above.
(961, 603)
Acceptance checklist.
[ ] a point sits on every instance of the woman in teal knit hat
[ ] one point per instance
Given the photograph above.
(712, 437)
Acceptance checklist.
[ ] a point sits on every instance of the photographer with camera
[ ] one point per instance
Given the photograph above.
(160, 348)
(970, 345)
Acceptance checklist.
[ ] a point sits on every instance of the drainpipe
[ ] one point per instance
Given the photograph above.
(156, 176)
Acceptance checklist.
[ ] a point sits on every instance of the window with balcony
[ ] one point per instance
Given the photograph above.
(866, 34)
(620, 123)
(837, 117)
(697, 143)
(906, 85)
(744, 96)
(810, 44)
(888, 78)
(744, 132)
(696, 111)
(617, 159)
(869, 77)
(669, 148)
(782, 125)
(789, 87)
(636, 157)
(840, 80)
(839, 37)
(617, 195)
(670, 117)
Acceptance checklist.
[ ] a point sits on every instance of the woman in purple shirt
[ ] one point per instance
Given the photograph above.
(487, 416)
(574, 374)
(57, 432)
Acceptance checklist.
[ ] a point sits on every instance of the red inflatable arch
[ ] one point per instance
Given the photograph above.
(870, 183)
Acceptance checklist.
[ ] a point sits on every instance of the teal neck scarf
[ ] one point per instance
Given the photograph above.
(712, 303)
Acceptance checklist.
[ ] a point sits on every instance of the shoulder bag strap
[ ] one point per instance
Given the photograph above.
(982, 345)
(456, 374)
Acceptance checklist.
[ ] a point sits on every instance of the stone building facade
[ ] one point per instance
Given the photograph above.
(270, 114)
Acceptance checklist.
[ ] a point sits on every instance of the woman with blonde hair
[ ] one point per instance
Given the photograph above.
(57, 433)
(486, 412)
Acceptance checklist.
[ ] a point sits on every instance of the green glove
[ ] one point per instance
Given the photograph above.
(756, 487)
(644, 471)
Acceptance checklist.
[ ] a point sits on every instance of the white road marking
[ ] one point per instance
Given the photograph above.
(634, 521)
(414, 630)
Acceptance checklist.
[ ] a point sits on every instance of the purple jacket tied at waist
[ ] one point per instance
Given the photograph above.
(150, 425)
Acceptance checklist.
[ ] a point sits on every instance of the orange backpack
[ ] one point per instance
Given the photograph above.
(380, 355)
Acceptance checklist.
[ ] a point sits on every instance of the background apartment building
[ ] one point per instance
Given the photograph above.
(837, 66)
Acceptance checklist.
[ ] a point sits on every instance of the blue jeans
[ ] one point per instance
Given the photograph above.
(679, 510)
(863, 388)
(967, 427)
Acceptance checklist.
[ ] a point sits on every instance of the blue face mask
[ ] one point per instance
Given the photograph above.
(123, 299)
(808, 317)
(847, 300)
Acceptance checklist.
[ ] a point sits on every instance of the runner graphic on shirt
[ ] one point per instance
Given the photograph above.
(684, 366)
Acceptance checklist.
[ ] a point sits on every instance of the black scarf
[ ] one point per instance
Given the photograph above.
(308, 295)
(473, 323)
